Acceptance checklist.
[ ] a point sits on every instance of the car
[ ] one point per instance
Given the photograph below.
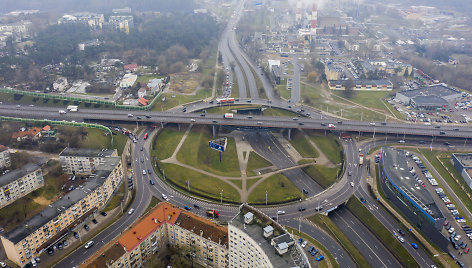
(457, 237)
(94, 221)
(50, 251)
(18, 106)
(314, 252)
(144, 172)
(196, 206)
(76, 235)
(64, 243)
(362, 200)
(142, 161)
(131, 211)
(187, 208)
(301, 209)
(414, 245)
(311, 248)
(400, 231)
(280, 212)
(304, 244)
(149, 171)
(301, 123)
(2, 264)
(103, 213)
(401, 239)
(148, 116)
(401, 141)
(59, 245)
(214, 121)
(139, 117)
(466, 250)
(130, 115)
(295, 118)
(304, 191)
(451, 230)
(142, 149)
(89, 244)
(86, 227)
(320, 258)
(446, 222)
(352, 184)
(192, 120)
(152, 182)
(300, 240)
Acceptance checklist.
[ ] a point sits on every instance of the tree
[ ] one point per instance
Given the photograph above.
(348, 85)
(405, 74)
(312, 77)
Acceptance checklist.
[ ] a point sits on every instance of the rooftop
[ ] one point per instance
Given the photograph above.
(440, 90)
(203, 227)
(255, 231)
(395, 165)
(3, 148)
(103, 257)
(83, 152)
(431, 100)
(464, 159)
(159, 215)
(91, 183)
(18, 173)
(355, 82)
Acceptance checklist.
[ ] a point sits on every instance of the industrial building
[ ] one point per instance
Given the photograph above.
(255, 240)
(409, 196)
(165, 225)
(430, 97)
(20, 182)
(463, 164)
(30, 238)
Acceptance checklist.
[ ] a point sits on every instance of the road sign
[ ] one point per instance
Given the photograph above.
(218, 144)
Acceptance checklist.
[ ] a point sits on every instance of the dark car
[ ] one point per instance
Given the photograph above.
(152, 182)
(59, 245)
(51, 252)
(103, 213)
(86, 227)
(301, 209)
(149, 171)
(76, 235)
(305, 191)
(148, 116)
(196, 206)
(94, 221)
(65, 243)
(401, 232)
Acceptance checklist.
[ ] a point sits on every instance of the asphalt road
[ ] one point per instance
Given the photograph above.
(295, 97)
(270, 148)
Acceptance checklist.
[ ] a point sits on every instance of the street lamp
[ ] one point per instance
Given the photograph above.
(266, 197)
(221, 196)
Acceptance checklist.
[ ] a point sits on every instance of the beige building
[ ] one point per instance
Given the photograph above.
(166, 225)
(84, 161)
(364, 85)
(20, 182)
(5, 160)
(331, 72)
(255, 240)
(36, 234)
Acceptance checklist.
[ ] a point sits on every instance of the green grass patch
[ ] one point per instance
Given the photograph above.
(152, 204)
(235, 87)
(384, 235)
(200, 184)
(165, 142)
(283, 91)
(303, 146)
(238, 183)
(369, 99)
(196, 152)
(144, 79)
(250, 182)
(325, 252)
(256, 161)
(115, 201)
(324, 176)
(328, 225)
(174, 99)
(278, 112)
(305, 161)
(330, 146)
(279, 189)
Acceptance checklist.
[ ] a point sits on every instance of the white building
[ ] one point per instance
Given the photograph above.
(19, 183)
(128, 80)
(83, 161)
(272, 63)
(60, 84)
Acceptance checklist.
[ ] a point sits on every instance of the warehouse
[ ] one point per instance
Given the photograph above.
(463, 164)
(430, 97)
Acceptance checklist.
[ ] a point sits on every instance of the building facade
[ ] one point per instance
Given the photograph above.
(463, 164)
(83, 161)
(364, 85)
(36, 234)
(166, 225)
(5, 160)
(19, 183)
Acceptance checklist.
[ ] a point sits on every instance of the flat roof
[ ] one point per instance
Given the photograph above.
(159, 215)
(440, 90)
(464, 159)
(255, 231)
(201, 226)
(83, 152)
(429, 100)
(39, 219)
(355, 82)
(101, 258)
(395, 166)
(18, 173)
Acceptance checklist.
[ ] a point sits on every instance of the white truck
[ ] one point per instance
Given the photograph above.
(361, 159)
(331, 126)
(228, 116)
(73, 108)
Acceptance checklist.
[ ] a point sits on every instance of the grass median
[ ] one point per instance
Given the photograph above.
(303, 146)
(327, 225)
(165, 142)
(279, 189)
(329, 145)
(255, 161)
(323, 175)
(384, 235)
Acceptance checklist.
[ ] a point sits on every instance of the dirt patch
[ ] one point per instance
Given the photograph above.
(186, 83)
(41, 201)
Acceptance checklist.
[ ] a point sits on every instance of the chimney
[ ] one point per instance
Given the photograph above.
(201, 233)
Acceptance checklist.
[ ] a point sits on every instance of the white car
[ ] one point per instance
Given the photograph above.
(89, 244)
(280, 212)
(131, 211)
(401, 239)
(304, 244)
(192, 120)
(352, 184)
(451, 230)
(457, 237)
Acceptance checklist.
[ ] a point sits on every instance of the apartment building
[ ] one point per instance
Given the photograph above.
(83, 161)
(166, 225)
(5, 160)
(37, 233)
(20, 182)
(255, 240)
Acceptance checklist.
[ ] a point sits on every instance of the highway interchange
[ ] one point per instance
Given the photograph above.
(376, 254)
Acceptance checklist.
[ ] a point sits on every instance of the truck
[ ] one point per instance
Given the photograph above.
(331, 126)
(62, 112)
(228, 115)
(361, 159)
(213, 213)
(73, 108)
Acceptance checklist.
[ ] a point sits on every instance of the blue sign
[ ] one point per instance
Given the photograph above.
(219, 144)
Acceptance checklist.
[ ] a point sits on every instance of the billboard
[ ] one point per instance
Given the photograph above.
(218, 144)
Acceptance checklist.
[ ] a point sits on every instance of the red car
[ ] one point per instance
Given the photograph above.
(446, 222)
(466, 250)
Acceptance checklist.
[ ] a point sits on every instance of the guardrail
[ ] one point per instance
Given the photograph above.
(77, 99)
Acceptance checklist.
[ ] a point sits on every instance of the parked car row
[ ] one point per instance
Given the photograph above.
(312, 250)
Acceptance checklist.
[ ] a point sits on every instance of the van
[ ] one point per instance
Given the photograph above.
(89, 244)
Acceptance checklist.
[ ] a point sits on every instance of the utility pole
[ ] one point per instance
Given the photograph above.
(299, 222)
(188, 185)
(362, 115)
(221, 196)
(266, 197)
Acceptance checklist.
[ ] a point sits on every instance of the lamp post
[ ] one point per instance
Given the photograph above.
(221, 197)
(266, 197)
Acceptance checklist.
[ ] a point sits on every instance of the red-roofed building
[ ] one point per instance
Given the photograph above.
(131, 67)
(166, 225)
(143, 101)
(34, 133)
(46, 128)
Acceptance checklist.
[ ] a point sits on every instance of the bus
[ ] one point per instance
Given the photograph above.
(146, 135)
(225, 100)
